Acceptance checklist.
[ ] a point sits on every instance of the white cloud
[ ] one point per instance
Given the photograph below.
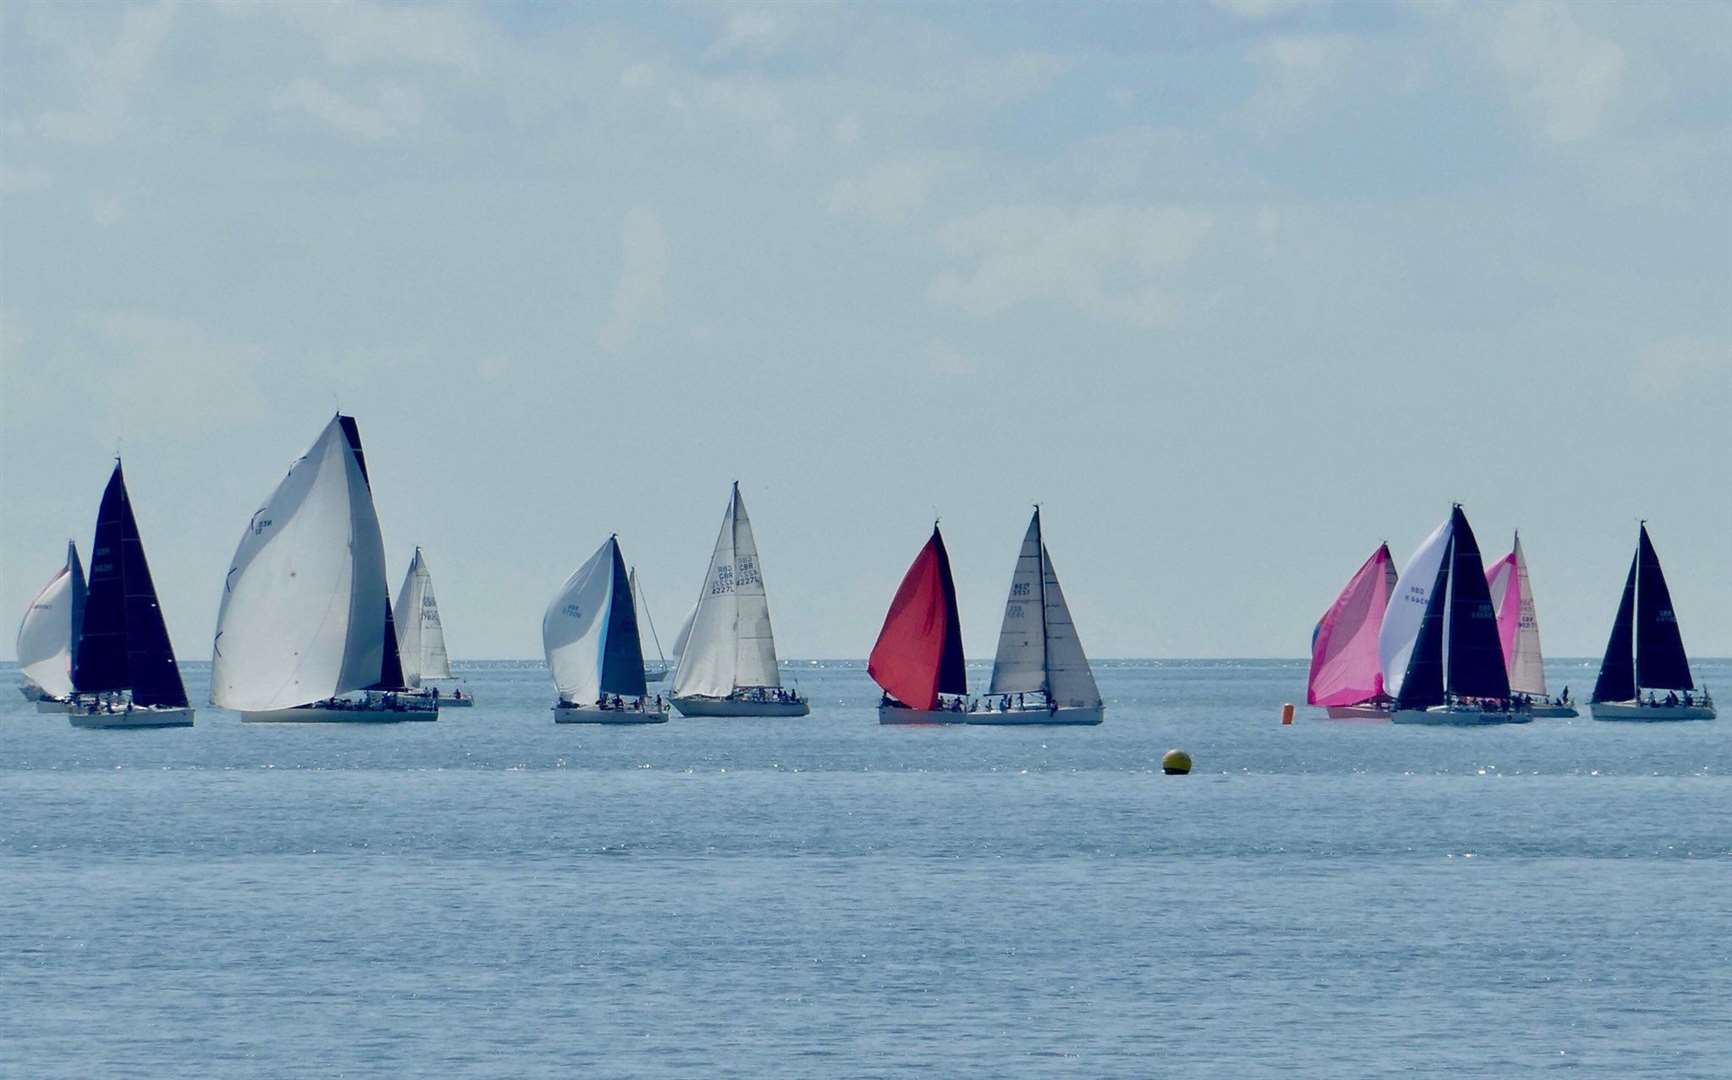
(759, 29)
(1682, 368)
(370, 35)
(111, 77)
(16, 181)
(1113, 262)
(1261, 9)
(642, 289)
(393, 110)
(170, 372)
(892, 191)
(1565, 80)
(1295, 72)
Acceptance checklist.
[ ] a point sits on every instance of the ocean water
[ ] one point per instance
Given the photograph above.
(492, 896)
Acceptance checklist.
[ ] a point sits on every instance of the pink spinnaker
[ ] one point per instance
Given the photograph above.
(1345, 669)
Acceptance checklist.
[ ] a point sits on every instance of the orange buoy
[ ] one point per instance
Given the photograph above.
(1287, 713)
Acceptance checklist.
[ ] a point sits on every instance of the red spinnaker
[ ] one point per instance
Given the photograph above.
(919, 652)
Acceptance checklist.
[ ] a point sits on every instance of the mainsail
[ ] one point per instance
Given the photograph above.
(1456, 651)
(1518, 624)
(1646, 648)
(1344, 663)
(918, 654)
(48, 633)
(1038, 647)
(122, 641)
(420, 636)
(305, 608)
(590, 633)
(731, 644)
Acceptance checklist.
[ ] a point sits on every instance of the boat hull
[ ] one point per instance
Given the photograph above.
(589, 714)
(1553, 712)
(53, 705)
(1358, 712)
(705, 706)
(344, 714)
(133, 718)
(1633, 710)
(892, 714)
(1067, 716)
(463, 702)
(1457, 716)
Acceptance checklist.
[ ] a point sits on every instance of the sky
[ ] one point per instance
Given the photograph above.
(1235, 290)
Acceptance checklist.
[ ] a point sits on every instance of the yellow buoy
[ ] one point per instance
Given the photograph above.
(1175, 762)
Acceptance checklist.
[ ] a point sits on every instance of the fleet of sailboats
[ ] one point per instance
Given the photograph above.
(123, 670)
(590, 634)
(1646, 652)
(48, 636)
(421, 639)
(1346, 675)
(305, 632)
(728, 665)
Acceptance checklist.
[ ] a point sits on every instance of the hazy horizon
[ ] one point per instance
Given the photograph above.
(1234, 290)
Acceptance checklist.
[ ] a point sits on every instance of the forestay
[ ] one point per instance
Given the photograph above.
(301, 616)
(48, 633)
(419, 631)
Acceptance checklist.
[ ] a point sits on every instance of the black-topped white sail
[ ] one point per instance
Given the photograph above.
(1456, 650)
(590, 632)
(48, 632)
(1038, 647)
(1646, 649)
(122, 642)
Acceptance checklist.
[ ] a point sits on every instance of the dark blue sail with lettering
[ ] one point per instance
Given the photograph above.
(1660, 659)
(622, 650)
(952, 669)
(1475, 658)
(123, 642)
(1422, 685)
(1617, 681)
(391, 667)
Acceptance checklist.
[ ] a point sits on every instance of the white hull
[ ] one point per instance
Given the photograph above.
(893, 714)
(656, 674)
(407, 709)
(1459, 716)
(1358, 712)
(136, 717)
(588, 714)
(1632, 710)
(463, 702)
(705, 706)
(1070, 715)
(1553, 712)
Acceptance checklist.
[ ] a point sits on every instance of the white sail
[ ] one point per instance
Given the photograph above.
(1020, 666)
(49, 627)
(730, 644)
(574, 628)
(1406, 610)
(1069, 680)
(684, 635)
(1527, 667)
(644, 622)
(302, 615)
(420, 636)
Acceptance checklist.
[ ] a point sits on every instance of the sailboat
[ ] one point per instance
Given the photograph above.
(421, 638)
(48, 637)
(1518, 629)
(305, 624)
(1346, 677)
(658, 669)
(1646, 652)
(1438, 644)
(593, 649)
(917, 659)
(1038, 650)
(728, 666)
(123, 670)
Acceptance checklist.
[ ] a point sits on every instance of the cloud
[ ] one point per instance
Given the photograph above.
(752, 29)
(1261, 9)
(160, 358)
(1683, 368)
(393, 111)
(892, 191)
(373, 35)
(1112, 262)
(1295, 71)
(642, 289)
(16, 181)
(111, 77)
(1564, 79)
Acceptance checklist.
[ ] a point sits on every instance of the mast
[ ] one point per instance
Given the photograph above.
(1045, 639)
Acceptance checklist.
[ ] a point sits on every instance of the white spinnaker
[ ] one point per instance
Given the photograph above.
(1527, 667)
(1406, 610)
(302, 613)
(574, 628)
(420, 636)
(1069, 680)
(755, 663)
(45, 633)
(1020, 666)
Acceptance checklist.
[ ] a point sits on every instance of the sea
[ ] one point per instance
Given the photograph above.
(494, 896)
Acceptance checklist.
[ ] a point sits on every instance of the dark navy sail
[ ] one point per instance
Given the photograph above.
(1422, 685)
(952, 671)
(1660, 659)
(123, 641)
(1476, 664)
(391, 667)
(1617, 681)
(622, 650)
